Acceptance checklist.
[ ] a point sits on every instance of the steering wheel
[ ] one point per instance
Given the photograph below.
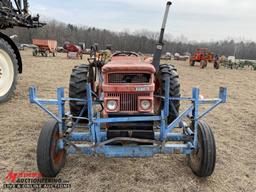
(125, 53)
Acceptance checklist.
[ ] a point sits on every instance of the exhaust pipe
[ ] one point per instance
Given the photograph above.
(160, 43)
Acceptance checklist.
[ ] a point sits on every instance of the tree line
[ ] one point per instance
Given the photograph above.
(140, 41)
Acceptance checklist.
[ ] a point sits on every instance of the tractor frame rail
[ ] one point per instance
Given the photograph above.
(95, 138)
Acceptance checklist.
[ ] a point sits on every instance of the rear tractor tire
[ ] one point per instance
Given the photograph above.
(34, 53)
(192, 63)
(216, 65)
(8, 71)
(46, 53)
(169, 71)
(77, 89)
(50, 160)
(202, 160)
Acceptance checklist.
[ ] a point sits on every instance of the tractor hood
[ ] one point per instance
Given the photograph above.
(128, 63)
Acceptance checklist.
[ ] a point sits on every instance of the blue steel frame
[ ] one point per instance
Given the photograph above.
(98, 138)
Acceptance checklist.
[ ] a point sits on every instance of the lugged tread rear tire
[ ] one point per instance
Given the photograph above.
(77, 88)
(169, 71)
(49, 162)
(8, 54)
(202, 161)
(192, 63)
(216, 65)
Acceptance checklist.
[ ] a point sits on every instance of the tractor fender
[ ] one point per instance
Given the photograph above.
(15, 49)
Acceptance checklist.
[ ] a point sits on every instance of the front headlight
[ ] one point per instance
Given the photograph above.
(112, 105)
(145, 104)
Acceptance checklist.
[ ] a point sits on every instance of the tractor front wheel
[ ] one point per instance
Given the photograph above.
(50, 159)
(203, 64)
(202, 160)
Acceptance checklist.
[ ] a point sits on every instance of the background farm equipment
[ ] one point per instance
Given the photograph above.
(168, 56)
(44, 47)
(179, 57)
(239, 64)
(73, 51)
(11, 63)
(126, 108)
(203, 56)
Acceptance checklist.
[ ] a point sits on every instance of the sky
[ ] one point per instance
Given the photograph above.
(193, 20)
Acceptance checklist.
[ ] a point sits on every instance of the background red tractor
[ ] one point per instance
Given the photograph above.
(73, 51)
(203, 56)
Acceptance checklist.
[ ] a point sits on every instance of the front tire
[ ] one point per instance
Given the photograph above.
(8, 71)
(203, 64)
(202, 160)
(49, 160)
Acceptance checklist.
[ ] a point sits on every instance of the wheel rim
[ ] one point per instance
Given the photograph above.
(197, 155)
(6, 73)
(56, 156)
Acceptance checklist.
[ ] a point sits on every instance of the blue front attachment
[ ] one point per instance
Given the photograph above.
(98, 143)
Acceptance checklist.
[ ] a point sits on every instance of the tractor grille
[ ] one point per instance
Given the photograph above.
(128, 78)
(128, 101)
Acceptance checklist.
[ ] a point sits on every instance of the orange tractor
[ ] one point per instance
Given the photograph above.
(203, 56)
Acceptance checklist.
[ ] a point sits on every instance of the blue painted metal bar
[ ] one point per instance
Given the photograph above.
(48, 101)
(195, 113)
(74, 99)
(97, 130)
(176, 122)
(132, 151)
(96, 136)
(90, 113)
(181, 98)
(176, 98)
(209, 101)
(33, 99)
(162, 127)
(47, 111)
(32, 94)
(210, 109)
(61, 114)
(167, 95)
(171, 136)
(86, 136)
(127, 119)
(223, 94)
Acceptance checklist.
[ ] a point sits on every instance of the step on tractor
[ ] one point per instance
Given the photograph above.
(12, 13)
(203, 56)
(126, 107)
